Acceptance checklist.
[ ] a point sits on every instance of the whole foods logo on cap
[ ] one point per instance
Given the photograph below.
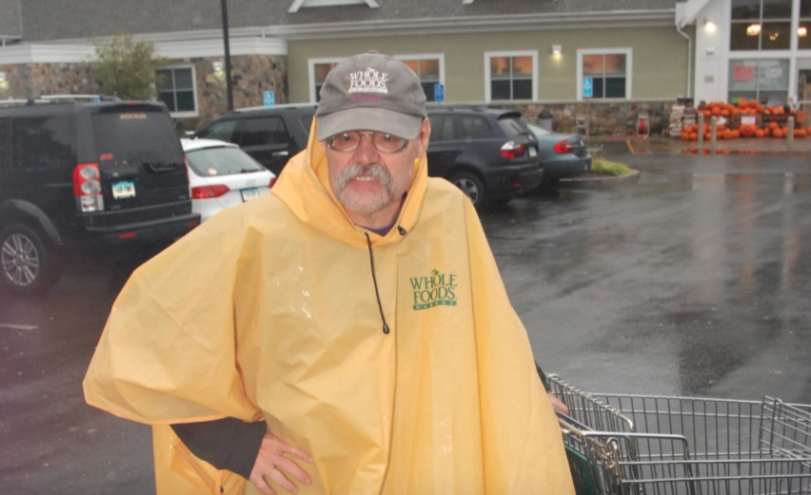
(368, 81)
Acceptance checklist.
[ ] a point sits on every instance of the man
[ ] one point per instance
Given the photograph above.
(355, 316)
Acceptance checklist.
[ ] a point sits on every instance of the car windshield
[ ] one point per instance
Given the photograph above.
(212, 162)
(513, 126)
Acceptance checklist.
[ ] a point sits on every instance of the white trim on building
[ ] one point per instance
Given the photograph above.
(188, 113)
(510, 53)
(629, 69)
(713, 55)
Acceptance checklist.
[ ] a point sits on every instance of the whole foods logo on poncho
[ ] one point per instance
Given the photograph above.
(437, 289)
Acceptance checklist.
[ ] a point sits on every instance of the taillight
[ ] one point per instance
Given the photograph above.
(563, 147)
(208, 192)
(511, 149)
(87, 187)
(272, 182)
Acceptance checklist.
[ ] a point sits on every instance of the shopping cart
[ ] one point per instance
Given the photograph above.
(652, 445)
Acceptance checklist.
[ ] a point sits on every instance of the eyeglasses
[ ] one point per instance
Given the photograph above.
(349, 141)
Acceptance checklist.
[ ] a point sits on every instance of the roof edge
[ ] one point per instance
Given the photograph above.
(608, 19)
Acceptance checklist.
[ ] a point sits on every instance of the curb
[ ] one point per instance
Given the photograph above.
(599, 182)
(670, 146)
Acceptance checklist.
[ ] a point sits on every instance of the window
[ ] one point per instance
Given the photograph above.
(263, 131)
(473, 125)
(441, 128)
(429, 69)
(804, 26)
(224, 131)
(41, 142)
(510, 76)
(176, 89)
(319, 68)
(609, 70)
(760, 25)
(804, 86)
(761, 80)
(5, 139)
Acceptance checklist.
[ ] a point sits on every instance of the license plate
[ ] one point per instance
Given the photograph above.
(123, 190)
(533, 152)
(250, 193)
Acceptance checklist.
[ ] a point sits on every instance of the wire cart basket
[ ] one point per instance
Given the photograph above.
(658, 445)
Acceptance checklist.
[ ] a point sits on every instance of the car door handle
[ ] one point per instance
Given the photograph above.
(281, 153)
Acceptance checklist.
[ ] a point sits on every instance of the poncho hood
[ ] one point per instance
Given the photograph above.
(303, 187)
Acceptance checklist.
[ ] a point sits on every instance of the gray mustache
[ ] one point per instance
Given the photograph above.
(376, 170)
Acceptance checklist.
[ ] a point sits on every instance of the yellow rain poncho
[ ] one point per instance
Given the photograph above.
(268, 311)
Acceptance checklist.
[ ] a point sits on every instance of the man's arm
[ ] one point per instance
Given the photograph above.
(225, 443)
(248, 449)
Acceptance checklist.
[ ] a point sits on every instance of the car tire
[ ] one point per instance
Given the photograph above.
(472, 186)
(28, 263)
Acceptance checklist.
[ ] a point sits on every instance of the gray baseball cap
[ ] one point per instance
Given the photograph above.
(372, 92)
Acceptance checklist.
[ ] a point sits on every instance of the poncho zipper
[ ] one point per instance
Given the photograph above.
(374, 279)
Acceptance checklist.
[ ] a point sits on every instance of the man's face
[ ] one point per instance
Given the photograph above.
(370, 183)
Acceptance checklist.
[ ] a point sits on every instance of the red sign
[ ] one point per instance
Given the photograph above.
(743, 73)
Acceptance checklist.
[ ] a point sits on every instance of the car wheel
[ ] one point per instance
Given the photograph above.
(473, 188)
(29, 265)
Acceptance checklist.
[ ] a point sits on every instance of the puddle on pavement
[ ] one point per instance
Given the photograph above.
(793, 183)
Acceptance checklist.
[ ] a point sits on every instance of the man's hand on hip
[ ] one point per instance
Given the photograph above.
(272, 466)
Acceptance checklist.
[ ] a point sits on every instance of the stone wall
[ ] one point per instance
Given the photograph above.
(607, 118)
(33, 80)
(251, 75)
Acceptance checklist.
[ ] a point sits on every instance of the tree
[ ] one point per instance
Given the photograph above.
(126, 69)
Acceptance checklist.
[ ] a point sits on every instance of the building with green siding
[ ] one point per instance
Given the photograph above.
(534, 55)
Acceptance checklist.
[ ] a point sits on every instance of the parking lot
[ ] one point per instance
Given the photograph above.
(693, 280)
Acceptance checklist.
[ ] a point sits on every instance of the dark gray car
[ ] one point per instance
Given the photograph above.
(562, 155)
(271, 135)
(490, 154)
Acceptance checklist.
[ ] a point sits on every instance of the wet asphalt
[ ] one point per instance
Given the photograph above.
(694, 279)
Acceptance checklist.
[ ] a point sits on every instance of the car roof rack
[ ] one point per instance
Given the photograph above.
(268, 107)
(70, 97)
(11, 102)
(66, 98)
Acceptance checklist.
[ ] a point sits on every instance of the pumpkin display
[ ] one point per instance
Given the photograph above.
(774, 119)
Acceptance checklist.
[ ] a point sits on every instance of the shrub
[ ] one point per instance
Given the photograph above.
(601, 166)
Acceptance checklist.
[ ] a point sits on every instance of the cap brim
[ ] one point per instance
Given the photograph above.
(369, 119)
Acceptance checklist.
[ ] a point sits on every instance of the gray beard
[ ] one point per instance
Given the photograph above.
(377, 171)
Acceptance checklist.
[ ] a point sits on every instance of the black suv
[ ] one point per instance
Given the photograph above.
(84, 175)
(490, 154)
(271, 135)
